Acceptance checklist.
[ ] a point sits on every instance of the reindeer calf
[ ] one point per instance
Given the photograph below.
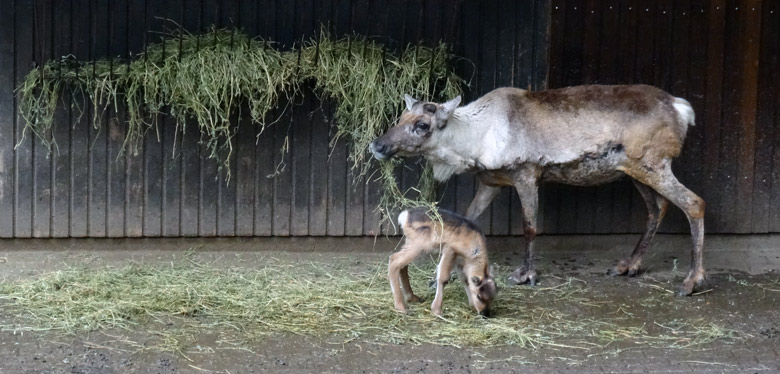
(461, 243)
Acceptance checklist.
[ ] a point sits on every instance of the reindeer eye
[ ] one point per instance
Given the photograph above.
(421, 126)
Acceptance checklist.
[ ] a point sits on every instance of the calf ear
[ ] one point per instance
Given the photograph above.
(410, 101)
(476, 281)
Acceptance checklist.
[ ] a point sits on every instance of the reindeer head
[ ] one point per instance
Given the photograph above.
(483, 291)
(416, 131)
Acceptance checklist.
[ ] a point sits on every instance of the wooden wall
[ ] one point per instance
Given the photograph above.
(720, 55)
(88, 188)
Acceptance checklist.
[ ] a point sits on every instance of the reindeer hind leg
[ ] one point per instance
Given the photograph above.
(663, 181)
(656, 209)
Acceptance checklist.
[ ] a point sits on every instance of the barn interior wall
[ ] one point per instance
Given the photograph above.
(721, 55)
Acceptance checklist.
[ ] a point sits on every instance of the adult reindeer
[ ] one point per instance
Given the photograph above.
(583, 135)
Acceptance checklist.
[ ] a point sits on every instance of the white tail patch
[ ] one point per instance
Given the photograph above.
(685, 110)
(402, 218)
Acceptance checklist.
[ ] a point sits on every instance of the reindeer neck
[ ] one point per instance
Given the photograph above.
(461, 149)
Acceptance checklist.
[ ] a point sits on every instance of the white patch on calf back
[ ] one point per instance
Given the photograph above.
(402, 218)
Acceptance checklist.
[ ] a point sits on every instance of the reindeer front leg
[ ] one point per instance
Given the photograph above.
(483, 198)
(527, 189)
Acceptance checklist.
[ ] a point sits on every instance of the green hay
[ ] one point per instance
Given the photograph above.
(327, 300)
(202, 80)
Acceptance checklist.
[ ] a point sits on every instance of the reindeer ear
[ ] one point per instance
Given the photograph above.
(476, 281)
(410, 101)
(448, 108)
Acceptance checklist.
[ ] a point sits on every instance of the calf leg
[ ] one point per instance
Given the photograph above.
(442, 277)
(529, 199)
(407, 287)
(661, 179)
(656, 209)
(398, 261)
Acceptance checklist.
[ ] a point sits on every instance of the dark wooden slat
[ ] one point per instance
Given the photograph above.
(209, 167)
(557, 67)
(79, 154)
(98, 133)
(567, 201)
(23, 182)
(520, 19)
(189, 159)
(42, 166)
(712, 115)
(245, 141)
(170, 157)
(730, 126)
(767, 179)
(497, 65)
(301, 167)
(470, 25)
(697, 90)
(623, 192)
(608, 72)
(7, 128)
(750, 13)
(60, 193)
(591, 46)
(678, 86)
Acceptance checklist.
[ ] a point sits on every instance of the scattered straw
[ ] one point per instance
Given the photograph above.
(340, 300)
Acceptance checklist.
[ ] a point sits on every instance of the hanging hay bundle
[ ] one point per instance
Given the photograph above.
(206, 77)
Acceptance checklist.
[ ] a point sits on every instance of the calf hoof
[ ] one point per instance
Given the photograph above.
(522, 275)
(691, 283)
(436, 312)
(414, 299)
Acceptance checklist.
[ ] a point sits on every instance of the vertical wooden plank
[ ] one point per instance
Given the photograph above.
(134, 155)
(591, 40)
(731, 126)
(375, 29)
(209, 167)
(190, 158)
(226, 186)
(750, 14)
(520, 19)
(567, 203)
(79, 154)
(557, 71)
(712, 116)
(245, 141)
(697, 91)
(151, 171)
(608, 72)
(497, 66)
(354, 185)
(7, 125)
(301, 135)
(767, 179)
(170, 154)
(43, 38)
(283, 185)
(470, 25)
(117, 169)
(60, 185)
(98, 132)
(623, 192)
(676, 52)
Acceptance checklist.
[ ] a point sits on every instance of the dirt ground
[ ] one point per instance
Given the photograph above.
(743, 296)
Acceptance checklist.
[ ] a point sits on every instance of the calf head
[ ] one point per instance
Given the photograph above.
(483, 291)
(417, 131)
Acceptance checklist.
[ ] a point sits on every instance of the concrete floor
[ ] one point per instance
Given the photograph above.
(754, 258)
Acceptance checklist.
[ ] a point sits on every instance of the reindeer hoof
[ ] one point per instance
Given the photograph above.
(414, 299)
(624, 267)
(690, 283)
(521, 276)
